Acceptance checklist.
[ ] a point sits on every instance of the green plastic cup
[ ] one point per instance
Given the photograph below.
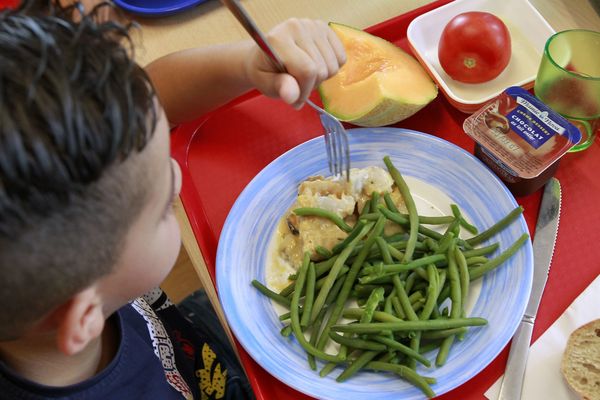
(568, 80)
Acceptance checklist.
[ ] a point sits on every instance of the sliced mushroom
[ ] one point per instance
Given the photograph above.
(292, 221)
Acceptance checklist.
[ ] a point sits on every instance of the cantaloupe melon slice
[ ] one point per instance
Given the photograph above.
(379, 85)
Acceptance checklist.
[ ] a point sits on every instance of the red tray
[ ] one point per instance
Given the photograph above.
(221, 152)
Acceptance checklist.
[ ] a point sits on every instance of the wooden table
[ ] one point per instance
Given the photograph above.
(211, 23)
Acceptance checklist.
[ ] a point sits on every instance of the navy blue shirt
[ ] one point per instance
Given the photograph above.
(160, 356)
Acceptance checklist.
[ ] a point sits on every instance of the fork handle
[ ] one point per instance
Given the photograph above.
(244, 18)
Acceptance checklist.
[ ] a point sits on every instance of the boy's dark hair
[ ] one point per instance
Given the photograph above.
(74, 112)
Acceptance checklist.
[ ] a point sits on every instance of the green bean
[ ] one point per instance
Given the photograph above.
(391, 343)
(463, 273)
(422, 229)
(344, 243)
(284, 301)
(442, 334)
(435, 312)
(357, 343)
(481, 251)
(420, 262)
(431, 244)
(322, 213)
(497, 227)
(343, 271)
(429, 346)
(406, 373)
(375, 298)
(434, 220)
(374, 200)
(426, 220)
(343, 352)
(405, 302)
(410, 313)
(387, 305)
(374, 216)
(389, 202)
(323, 252)
(476, 260)
(477, 272)
(365, 290)
(463, 222)
(397, 254)
(442, 355)
(286, 330)
(327, 368)
(385, 252)
(320, 269)
(356, 313)
(285, 316)
(432, 293)
(350, 278)
(398, 308)
(468, 226)
(421, 273)
(359, 363)
(445, 242)
(296, 328)
(366, 208)
(316, 325)
(410, 281)
(309, 297)
(434, 324)
(415, 296)
(396, 237)
(389, 357)
(333, 273)
(454, 278)
(410, 206)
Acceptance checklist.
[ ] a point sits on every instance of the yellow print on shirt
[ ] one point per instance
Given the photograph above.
(215, 384)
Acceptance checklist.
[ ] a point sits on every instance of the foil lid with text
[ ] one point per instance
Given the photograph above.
(522, 132)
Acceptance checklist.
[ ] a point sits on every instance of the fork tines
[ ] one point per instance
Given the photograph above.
(336, 143)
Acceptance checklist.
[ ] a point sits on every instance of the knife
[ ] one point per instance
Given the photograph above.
(543, 248)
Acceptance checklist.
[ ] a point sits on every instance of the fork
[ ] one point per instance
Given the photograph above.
(336, 138)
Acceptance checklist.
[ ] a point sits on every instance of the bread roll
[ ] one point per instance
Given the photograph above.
(581, 361)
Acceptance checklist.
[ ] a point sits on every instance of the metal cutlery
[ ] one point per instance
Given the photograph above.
(336, 138)
(543, 249)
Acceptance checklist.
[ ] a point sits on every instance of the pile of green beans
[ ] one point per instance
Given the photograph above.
(400, 283)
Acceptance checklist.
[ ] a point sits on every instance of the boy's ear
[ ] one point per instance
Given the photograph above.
(78, 321)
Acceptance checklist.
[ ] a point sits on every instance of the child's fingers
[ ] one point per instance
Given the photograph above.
(311, 53)
(321, 67)
(329, 58)
(303, 68)
(287, 88)
(337, 46)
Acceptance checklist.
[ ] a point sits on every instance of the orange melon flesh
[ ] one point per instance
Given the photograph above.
(379, 85)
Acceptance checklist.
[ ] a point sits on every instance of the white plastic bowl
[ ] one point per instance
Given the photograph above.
(528, 30)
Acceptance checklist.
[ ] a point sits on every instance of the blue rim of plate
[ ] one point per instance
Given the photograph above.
(174, 6)
(244, 242)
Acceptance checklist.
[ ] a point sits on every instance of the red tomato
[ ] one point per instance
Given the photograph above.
(474, 47)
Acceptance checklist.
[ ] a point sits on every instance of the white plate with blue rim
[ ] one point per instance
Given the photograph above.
(438, 173)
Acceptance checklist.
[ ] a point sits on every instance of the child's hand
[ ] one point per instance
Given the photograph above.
(311, 53)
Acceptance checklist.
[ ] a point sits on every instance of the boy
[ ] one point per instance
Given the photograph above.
(86, 223)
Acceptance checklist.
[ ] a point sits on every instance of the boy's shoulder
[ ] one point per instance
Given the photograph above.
(161, 353)
(192, 345)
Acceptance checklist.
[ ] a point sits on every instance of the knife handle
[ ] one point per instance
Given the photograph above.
(514, 374)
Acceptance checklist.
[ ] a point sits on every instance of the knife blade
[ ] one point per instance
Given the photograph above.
(543, 249)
